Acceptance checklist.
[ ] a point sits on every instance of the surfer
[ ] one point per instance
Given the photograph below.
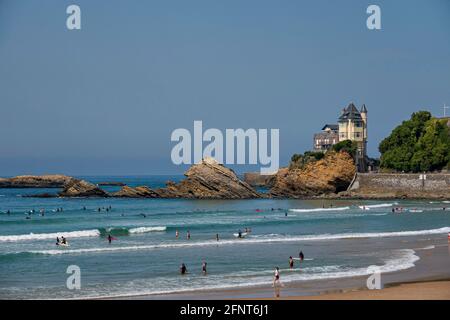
(204, 267)
(8, 212)
(63, 240)
(109, 238)
(291, 262)
(57, 241)
(188, 235)
(177, 234)
(183, 269)
(217, 237)
(239, 234)
(285, 214)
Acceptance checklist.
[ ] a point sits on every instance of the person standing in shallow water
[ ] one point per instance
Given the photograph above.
(291, 262)
(188, 235)
(177, 234)
(276, 282)
(204, 267)
(217, 237)
(183, 269)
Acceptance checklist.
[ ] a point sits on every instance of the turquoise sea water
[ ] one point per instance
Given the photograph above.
(341, 241)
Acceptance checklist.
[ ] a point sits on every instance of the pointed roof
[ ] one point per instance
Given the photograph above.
(350, 113)
(363, 109)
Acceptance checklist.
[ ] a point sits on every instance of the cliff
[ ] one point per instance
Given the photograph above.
(329, 175)
(28, 181)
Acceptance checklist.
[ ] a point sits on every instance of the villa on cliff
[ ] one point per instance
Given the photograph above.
(352, 125)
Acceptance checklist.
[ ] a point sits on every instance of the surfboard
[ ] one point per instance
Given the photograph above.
(63, 245)
(306, 259)
(243, 234)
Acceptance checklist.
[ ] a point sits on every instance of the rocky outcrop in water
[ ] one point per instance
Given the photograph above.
(29, 181)
(209, 180)
(135, 192)
(329, 175)
(81, 188)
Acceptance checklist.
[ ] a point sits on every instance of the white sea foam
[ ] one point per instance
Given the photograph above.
(320, 209)
(380, 205)
(249, 240)
(41, 236)
(147, 229)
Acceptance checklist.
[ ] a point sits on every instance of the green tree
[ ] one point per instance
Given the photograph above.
(419, 144)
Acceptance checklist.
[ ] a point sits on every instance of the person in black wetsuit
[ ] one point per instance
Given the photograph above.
(291, 262)
(183, 269)
(301, 256)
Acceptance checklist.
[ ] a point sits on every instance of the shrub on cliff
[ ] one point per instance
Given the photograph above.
(298, 161)
(347, 146)
(419, 144)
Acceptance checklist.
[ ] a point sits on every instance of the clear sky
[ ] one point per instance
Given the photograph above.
(105, 99)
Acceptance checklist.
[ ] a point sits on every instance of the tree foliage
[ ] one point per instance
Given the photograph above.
(298, 161)
(347, 146)
(421, 143)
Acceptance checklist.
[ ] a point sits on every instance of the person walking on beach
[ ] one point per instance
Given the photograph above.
(291, 262)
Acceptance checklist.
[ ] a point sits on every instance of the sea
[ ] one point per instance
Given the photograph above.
(338, 238)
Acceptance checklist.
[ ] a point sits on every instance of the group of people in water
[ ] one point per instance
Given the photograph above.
(183, 268)
(61, 241)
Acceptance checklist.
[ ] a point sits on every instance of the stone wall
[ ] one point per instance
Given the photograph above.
(405, 185)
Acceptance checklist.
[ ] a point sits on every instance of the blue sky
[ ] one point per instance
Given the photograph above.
(105, 99)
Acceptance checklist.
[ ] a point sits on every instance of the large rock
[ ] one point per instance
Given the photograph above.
(28, 181)
(209, 180)
(329, 175)
(81, 188)
(136, 192)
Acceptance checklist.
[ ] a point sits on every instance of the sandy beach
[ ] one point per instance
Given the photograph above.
(427, 290)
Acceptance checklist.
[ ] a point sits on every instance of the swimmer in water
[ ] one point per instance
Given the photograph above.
(291, 262)
(204, 267)
(183, 269)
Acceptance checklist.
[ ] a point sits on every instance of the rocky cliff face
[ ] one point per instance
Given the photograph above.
(211, 180)
(81, 188)
(45, 181)
(329, 175)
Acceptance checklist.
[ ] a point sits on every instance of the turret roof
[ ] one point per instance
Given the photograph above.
(350, 113)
